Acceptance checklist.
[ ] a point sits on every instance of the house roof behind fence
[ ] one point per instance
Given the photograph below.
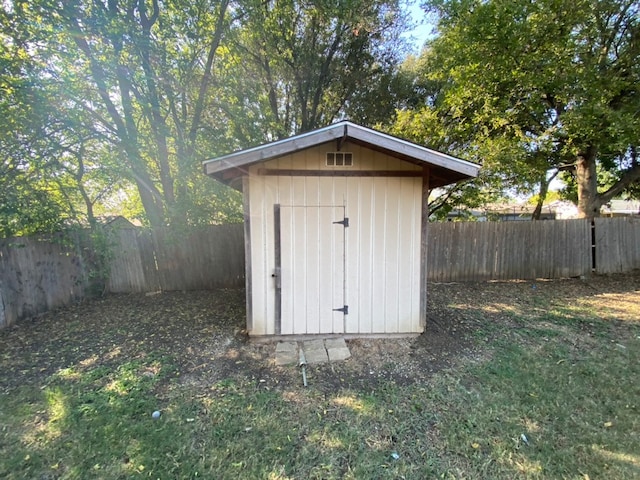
(443, 169)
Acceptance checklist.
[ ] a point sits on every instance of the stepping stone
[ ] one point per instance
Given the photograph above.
(337, 349)
(315, 351)
(313, 345)
(287, 353)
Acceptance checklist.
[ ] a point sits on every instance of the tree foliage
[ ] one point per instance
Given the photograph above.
(300, 66)
(533, 87)
(139, 92)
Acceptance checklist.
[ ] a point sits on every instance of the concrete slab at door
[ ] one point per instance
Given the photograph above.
(311, 269)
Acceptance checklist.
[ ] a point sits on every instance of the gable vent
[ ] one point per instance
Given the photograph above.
(339, 159)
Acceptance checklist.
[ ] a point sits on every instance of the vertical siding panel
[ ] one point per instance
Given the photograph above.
(409, 260)
(286, 274)
(246, 208)
(338, 233)
(366, 243)
(268, 200)
(392, 253)
(316, 236)
(258, 261)
(418, 314)
(378, 255)
(353, 250)
(300, 227)
(284, 196)
(327, 256)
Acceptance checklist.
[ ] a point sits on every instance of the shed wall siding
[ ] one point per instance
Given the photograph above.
(315, 159)
(382, 243)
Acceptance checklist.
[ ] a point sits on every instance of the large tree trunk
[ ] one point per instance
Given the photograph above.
(542, 195)
(589, 202)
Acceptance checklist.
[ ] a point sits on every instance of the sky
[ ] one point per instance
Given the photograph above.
(424, 25)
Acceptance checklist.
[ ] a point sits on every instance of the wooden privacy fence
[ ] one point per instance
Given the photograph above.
(41, 273)
(529, 250)
(617, 244)
(508, 250)
(163, 259)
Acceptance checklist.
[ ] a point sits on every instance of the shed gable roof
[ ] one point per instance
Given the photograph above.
(444, 169)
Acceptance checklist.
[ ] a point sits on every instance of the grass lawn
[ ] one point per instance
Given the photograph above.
(511, 380)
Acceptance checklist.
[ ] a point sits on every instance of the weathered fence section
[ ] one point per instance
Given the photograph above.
(508, 250)
(617, 242)
(165, 259)
(40, 273)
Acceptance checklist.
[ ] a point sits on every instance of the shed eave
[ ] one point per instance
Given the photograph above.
(349, 131)
(406, 148)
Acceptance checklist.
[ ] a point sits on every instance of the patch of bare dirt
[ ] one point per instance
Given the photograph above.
(202, 334)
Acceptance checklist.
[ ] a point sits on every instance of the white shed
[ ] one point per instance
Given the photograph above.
(335, 230)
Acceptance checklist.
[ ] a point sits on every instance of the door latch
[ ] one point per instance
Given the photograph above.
(344, 223)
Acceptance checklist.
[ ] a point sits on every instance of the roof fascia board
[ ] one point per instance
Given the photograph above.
(271, 150)
(412, 150)
(334, 132)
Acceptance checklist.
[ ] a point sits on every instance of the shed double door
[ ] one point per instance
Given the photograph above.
(310, 269)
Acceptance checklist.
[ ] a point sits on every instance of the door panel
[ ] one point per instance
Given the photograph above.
(311, 270)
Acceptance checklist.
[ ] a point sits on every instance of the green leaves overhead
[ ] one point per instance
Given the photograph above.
(309, 64)
(148, 89)
(538, 86)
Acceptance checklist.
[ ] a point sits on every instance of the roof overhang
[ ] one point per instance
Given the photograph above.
(443, 169)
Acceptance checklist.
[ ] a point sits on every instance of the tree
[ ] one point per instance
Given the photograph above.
(141, 91)
(136, 74)
(27, 202)
(303, 65)
(542, 86)
(423, 122)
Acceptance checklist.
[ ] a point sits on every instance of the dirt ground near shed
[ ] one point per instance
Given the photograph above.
(203, 332)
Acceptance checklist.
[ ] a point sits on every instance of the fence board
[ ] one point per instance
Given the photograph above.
(617, 244)
(40, 273)
(165, 259)
(508, 250)
(126, 269)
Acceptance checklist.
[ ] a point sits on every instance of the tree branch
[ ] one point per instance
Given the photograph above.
(628, 177)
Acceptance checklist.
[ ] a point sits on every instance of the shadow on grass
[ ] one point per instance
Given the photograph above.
(98, 424)
(554, 397)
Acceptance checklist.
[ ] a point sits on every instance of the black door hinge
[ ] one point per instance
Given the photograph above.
(344, 309)
(344, 223)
